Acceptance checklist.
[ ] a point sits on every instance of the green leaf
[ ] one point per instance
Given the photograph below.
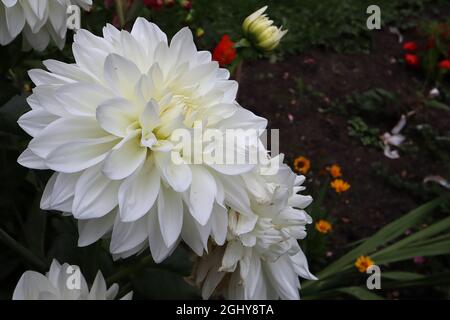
(402, 276)
(437, 105)
(386, 234)
(439, 248)
(423, 234)
(442, 278)
(360, 293)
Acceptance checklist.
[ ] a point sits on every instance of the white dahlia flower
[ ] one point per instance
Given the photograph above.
(64, 282)
(40, 21)
(262, 258)
(106, 125)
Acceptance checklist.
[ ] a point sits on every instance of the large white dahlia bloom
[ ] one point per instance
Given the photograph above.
(105, 125)
(261, 259)
(40, 21)
(64, 282)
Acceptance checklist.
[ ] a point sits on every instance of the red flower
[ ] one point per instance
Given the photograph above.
(154, 4)
(412, 60)
(410, 46)
(444, 64)
(224, 52)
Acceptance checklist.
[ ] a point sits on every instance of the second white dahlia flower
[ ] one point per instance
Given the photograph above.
(262, 258)
(106, 125)
(64, 282)
(39, 20)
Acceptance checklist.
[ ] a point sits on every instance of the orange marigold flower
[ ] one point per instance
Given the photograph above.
(340, 185)
(224, 53)
(363, 262)
(302, 165)
(323, 226)
(335, 171)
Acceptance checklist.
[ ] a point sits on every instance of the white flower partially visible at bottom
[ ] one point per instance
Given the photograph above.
(262, 258)
(55, 286)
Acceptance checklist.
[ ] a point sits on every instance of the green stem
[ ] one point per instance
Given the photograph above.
(120, 13)
(127, 271)
(22, 251)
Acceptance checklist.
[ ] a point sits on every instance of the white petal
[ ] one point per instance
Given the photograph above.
(128, 235)
(28, 159)
(202, 194)
(244, 119)
(178, 176)
(191, 235)
(15, 20)
(170, 215)
(219, 224)
(138, 193)
(300, 201)
(63, 131)
(98, 289)
(5, 37)
(93, 95)
(300, 265)
(34, 121)
(42, 77)
(95, 195)
(77, 156)
(134, 51)
(116, 115)
(39, 40)
(283, 278)
(235, 194)
(112, 292)
(90, 60)
(31, 285)
(121, 75)
(233, 253)
(253, 276)
(71, 71)
(125, 160)
(147, 34)
(150, 117)
(90, 230)
(157, 245)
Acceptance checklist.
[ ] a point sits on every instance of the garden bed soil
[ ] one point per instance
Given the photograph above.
(271, 91)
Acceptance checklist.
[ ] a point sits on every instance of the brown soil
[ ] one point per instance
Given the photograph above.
(323, 136)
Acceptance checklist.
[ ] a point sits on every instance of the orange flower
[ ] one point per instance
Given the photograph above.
(340, 185)
(335, 171)
(224, 52)
(302, 165)
(363, 262)
(323, 226)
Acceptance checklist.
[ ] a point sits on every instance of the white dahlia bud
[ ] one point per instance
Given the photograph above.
(261, 32)
(64, 282)
(40, 21)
